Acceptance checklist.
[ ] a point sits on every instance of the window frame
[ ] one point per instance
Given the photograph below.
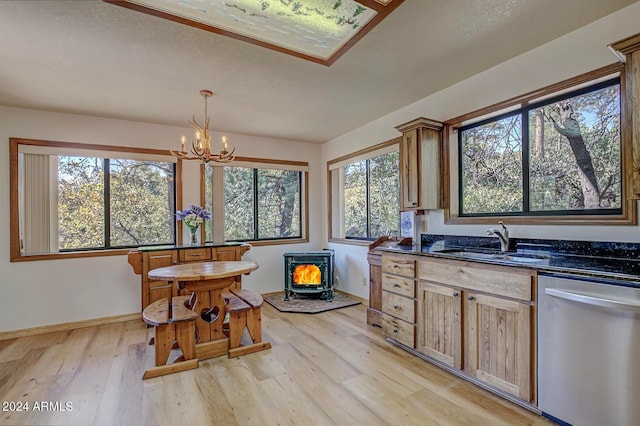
(15, 254)
(363, 154)
(262, 163)
(627, 214)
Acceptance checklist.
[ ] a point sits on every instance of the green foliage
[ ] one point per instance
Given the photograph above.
(80, 203)
(372, 213)
(277, 211)
(141, 203)
(492, 158)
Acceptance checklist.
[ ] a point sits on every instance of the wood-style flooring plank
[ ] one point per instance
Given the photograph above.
(324, 369)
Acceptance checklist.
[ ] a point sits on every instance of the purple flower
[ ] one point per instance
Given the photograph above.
(193, 216)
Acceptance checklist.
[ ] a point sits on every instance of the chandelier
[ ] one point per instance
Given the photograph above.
(201, 146)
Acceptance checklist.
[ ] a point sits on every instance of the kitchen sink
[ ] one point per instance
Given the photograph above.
(504, 257)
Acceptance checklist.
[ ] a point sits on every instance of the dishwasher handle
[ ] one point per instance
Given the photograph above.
(593, 300)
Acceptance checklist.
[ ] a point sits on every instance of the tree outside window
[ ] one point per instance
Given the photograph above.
(560, 156)
(259, 203)
(371, 193)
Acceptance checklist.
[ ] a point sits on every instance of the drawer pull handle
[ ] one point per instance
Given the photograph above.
(456, 294)
(469, 297)
(396, 285)
(396, 307)
(195, 254)
(395, 266)
(395, 330)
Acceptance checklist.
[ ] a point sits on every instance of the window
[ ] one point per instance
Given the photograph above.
(365, 194)
(558, 156)
(256, 201)
(73, 198)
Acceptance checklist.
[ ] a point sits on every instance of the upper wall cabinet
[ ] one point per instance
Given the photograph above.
(630, 47)
(420, 178)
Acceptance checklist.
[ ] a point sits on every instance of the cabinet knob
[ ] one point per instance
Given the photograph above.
(396, 285)
(470, 297)
(456, 294)
(395, 330)
(396, 307)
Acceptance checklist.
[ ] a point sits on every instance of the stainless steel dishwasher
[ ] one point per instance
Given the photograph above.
(589, 350)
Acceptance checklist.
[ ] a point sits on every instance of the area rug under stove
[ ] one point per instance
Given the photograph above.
(307, 304)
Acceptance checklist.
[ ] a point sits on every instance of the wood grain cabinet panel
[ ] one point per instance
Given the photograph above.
(144, 261)
(439, 326)
(398, 298)
(630, 47)
(398, 264)
(478, 318)
(399, 306)
(420, 176)
(195, 255)
(398, 330)
(499, 349)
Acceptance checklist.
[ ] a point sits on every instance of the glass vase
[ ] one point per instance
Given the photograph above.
(194, 236)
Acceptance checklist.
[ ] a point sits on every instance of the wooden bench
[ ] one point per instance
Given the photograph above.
(243, 307)
(180, 327)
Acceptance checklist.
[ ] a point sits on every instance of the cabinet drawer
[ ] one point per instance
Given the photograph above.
(224, 254)
(400, 285)
(500, 282)
(399, 265)
(398, 330)
(159, 259)
(399, 306)
(195, 254)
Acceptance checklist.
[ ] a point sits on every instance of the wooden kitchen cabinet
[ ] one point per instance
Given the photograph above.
(420, 177)
(439, 327)
(499, 343)
(146, 259)
(153, 290)
(398, 298)
(630, 47)
(477, 319)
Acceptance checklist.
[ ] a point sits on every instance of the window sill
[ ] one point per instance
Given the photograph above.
(68, 255)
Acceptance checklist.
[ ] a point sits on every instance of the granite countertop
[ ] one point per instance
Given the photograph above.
(600, 260)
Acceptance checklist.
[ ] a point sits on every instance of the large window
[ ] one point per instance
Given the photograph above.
(558, 156)
(75, 198)
(253, 201)
(364, 190)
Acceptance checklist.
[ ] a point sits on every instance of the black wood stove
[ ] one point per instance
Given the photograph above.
(309, 273)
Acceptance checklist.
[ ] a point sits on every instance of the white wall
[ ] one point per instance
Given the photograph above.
(576, 53)
(46, 292)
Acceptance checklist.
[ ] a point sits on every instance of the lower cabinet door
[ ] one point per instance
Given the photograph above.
(439, 327)
(157, 293)
(499, 343)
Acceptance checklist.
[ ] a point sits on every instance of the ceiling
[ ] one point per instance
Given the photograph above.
(98, 59)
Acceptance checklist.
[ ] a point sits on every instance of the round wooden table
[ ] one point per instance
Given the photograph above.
(209, 280)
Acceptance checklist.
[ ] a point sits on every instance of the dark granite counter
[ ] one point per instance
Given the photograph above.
(598, 260)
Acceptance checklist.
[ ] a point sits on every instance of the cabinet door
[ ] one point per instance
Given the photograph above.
(157, 293)
(439, 326)
(152, 260)
(409, 171)
(499, 343)
(430, 193)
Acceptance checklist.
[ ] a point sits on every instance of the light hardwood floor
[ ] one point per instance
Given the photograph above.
(323, 369)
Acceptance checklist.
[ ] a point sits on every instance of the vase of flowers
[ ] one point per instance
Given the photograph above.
(193, 217)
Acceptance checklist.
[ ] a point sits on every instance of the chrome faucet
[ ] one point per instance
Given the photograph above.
(503, 236)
